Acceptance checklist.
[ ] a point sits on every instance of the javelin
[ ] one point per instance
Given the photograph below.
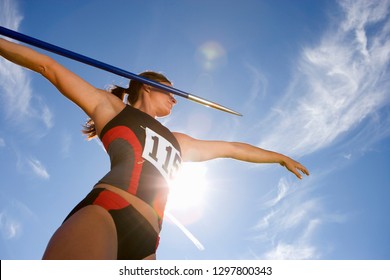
(104, 66)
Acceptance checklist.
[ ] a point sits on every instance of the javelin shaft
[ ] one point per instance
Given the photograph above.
(104, 66)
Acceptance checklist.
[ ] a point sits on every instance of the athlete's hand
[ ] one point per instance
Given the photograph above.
(294, 167)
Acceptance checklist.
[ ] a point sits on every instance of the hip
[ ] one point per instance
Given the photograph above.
(141, 206)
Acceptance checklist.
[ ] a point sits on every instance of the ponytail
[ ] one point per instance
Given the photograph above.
(119, 92)
(89, 129)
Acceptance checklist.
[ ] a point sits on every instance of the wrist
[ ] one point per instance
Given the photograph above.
(282, 159)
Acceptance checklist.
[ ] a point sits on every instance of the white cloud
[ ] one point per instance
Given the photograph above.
(38, 168)
(9, 227)
(285, 251)
(258, 88)
(13, 216)
(18, 101)
(298, 214)
(282, 192)
(10, 16)
(338, 83)
(288, 225)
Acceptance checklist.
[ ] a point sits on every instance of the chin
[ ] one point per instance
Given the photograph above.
(164, 114)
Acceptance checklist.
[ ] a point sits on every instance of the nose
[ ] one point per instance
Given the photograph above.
(173, 100)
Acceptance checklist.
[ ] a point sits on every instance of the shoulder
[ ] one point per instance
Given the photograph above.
(180, 136)
(107, 108)
(184, 140)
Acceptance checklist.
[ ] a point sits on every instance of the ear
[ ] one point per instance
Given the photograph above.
(146, 88)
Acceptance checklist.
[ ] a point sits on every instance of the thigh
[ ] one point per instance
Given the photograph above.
(136, 237)
(88, 234)
(150, 257)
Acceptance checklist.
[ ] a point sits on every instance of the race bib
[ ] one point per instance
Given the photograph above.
(161, 153)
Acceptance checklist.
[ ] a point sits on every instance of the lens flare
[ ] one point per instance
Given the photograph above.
(211, 55)
(188, 189)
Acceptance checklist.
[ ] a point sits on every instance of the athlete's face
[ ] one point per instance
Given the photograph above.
(163, 101)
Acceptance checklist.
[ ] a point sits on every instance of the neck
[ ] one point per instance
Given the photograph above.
(146, 108)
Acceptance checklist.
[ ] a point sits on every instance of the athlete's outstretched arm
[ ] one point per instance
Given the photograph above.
(86, 96)
(201, 150)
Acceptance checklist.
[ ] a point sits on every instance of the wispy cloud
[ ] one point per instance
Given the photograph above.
(9, 227)
(301, 246)
(295, 251)
(10, 16)
(30, 165)
(38, 168)
(282, 192)
(258, 88)
(289, 222)
(340, 83)
(291, 219)
(13, 215)
(18, 102)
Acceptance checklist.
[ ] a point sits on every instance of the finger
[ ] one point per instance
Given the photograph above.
(304, 170)
(296, 172)
(298, 175)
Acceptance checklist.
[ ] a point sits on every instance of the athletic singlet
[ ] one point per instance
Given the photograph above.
(144, 155)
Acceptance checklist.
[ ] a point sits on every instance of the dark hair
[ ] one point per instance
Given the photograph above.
(132, 93)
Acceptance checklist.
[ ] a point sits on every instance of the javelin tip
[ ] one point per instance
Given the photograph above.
(212, 104)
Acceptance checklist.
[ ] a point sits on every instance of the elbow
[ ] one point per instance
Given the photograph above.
(237, 151)
(45, 68)
(42, 69)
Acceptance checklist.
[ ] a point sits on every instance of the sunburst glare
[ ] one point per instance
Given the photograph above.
(188, 189)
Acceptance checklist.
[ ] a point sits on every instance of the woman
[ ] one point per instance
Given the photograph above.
(121, 217)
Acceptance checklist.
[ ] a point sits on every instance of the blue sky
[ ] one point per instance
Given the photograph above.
(310, 77)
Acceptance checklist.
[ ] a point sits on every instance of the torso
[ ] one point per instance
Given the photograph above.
(144, 155)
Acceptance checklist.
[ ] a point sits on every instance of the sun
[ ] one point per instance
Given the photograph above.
(187, 196)
(188, 189)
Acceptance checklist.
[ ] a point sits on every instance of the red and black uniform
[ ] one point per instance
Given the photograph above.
(144, 155)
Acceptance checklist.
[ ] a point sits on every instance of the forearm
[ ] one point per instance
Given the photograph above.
(23, 56)
(245, 152)
(249, 153)
(200, 150)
